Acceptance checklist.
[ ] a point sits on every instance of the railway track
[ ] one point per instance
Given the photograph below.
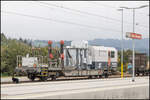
(68, 79)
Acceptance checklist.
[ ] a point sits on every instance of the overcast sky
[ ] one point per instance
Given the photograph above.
(71, 20)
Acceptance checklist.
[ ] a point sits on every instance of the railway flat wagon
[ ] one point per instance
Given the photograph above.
(76, 60)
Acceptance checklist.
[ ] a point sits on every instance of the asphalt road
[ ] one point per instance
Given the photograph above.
(48, 89)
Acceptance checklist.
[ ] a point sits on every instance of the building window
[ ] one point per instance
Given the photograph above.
(112, 54)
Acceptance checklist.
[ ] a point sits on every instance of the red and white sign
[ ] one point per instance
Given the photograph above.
(133, 35)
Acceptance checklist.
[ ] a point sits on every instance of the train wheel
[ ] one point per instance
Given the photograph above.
(31, 77)
(54, 78)
(100, 76)
(106, 75)
(138, 74)
(96, 76)
(90, 77)
(43, 78)
(143, 74)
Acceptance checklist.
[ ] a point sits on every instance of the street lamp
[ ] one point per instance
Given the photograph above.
(133, 54)
(143, 6)
(121, 45)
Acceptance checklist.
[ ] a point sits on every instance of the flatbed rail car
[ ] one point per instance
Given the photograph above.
(141, 64)
(71, 61)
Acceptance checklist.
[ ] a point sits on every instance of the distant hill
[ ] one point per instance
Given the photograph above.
(43, 43)
(140, 45)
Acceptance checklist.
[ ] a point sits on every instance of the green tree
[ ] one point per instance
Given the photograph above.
(10, 48)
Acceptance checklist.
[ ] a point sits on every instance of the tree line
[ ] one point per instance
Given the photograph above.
(10, 48)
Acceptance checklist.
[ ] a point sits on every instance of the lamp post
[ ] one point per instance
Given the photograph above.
(121, 45)
(133, 54)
